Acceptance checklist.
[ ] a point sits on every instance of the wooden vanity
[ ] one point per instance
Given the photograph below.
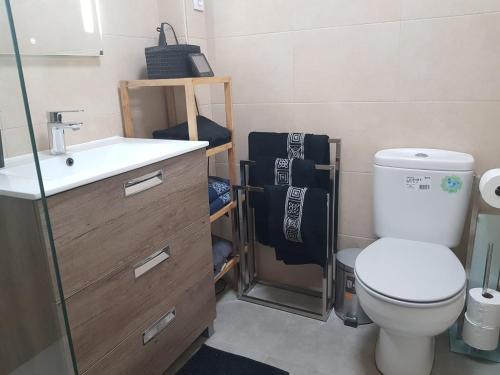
(134, 254)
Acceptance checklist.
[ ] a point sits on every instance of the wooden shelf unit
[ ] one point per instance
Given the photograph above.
(189, 85)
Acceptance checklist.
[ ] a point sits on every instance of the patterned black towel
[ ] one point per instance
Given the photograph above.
(289, 145)
(298, 223)
(276, 171)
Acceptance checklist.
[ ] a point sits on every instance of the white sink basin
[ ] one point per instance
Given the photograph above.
(93, 161)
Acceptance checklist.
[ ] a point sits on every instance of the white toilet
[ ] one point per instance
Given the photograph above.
(409, 282)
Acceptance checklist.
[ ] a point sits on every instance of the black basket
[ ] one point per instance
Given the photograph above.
(164, 61)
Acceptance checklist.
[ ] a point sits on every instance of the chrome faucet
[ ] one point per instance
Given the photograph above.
(56, 129)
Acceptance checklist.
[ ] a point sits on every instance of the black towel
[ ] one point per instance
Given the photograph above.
(221, 250)
(274, 145)
(208, 130)
(313, 228)
(262, 173)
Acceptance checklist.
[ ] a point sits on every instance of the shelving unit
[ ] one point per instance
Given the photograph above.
(189, 85)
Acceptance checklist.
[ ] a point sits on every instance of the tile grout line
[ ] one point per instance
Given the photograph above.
(401, 19)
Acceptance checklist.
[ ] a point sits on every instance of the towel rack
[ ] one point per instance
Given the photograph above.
(320, 302)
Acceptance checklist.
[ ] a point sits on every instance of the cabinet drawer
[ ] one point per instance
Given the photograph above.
(194, 311)
(98, 229)
(102, 315)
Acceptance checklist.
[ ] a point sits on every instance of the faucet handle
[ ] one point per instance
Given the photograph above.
(56, 116)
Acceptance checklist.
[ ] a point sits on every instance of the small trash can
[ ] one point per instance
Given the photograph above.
(347, 306)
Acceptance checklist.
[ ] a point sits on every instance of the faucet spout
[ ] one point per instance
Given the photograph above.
(56, 129)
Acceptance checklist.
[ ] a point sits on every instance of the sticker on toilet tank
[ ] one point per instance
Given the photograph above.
(451, 184)
(418, 183)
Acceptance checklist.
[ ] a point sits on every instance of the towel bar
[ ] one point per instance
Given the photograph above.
(320, 302)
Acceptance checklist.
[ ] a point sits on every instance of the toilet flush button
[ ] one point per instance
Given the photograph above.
(421, 155)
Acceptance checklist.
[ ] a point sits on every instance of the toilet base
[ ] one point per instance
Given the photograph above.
(396, 354)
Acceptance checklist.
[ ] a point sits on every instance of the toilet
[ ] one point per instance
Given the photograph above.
(409, 282)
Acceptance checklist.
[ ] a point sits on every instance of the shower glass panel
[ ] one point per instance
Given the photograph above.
(33, 325)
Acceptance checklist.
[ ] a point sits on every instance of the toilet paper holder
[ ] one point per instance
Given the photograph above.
(457, 344)
(487, 271)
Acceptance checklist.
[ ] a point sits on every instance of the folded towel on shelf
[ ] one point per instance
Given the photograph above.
(208, 130)
(276, 171)
(221, 250)
(217, 186)
(298, 224)
(220, 202)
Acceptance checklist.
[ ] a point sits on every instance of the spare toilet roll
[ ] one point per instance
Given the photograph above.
(489, 186)
(479, 337)
(484, 311)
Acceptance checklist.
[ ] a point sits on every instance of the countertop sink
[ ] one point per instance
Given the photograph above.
(86, 163)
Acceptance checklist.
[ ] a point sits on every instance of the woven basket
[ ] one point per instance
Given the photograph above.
(169, 61)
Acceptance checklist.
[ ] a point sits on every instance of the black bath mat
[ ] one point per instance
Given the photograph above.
(210, 361)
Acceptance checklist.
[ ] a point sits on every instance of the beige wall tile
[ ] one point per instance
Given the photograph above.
(412, 9)
(196, 21)
(255, 117)
(244, 17)
(356, 205)
(172, 11)
(17, 140)
(451, 58)
(11, 101)
(129, 17)
(347, 242)
(261, 67)
(471, 127)
(314, 14)
(366, 128)
(356, 63)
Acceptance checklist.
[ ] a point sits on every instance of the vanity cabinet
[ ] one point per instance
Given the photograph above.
(134, 253)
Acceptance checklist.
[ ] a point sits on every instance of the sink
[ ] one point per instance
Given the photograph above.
(86, 163)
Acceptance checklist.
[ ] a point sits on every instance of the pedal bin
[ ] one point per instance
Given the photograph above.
(347, 305)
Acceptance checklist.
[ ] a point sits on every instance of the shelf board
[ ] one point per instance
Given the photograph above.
(229, 266)
(224, 210)
(136, 83)
(219, 149)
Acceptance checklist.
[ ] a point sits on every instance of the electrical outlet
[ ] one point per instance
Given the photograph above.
(199, 5)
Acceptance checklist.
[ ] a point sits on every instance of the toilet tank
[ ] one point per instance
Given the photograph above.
(422, 194)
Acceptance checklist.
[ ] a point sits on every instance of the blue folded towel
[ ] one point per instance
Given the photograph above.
(220, 202)
(217, 187)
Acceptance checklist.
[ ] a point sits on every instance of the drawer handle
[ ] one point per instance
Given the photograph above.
(151, 261)
(157, 327)
(143, 183)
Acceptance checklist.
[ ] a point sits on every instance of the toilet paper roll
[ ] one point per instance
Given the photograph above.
(479, 337)
(484, 311)
(489, 186)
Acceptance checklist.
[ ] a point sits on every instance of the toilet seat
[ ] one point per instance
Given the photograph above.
(410, 271)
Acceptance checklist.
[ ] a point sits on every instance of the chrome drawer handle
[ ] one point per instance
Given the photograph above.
(157, 327)
(143, 183)
(151, 261)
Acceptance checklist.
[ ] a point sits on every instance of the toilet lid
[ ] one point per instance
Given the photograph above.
(410, 271)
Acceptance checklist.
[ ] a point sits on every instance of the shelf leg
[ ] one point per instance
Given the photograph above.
(191, 111)
(128, 125)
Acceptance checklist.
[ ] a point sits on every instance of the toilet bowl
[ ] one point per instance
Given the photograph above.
(413, 291)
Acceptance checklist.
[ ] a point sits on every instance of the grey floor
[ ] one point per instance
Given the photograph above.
(305, 346)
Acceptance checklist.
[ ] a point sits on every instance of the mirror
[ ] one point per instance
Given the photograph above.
(75, 27)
